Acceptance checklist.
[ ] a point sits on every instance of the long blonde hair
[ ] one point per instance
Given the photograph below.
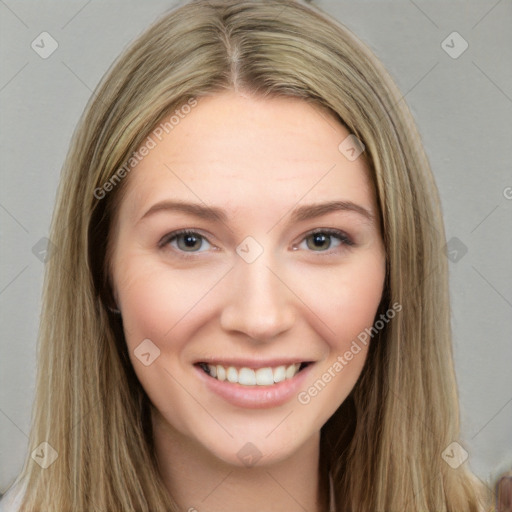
(383, 446)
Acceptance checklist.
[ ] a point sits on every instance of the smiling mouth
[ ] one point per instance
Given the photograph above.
(267, 376)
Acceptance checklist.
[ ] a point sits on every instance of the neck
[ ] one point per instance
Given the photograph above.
(200, 482)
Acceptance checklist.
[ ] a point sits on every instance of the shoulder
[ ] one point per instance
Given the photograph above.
(11, 500)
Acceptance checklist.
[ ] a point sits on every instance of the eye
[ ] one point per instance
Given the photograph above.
(320, 240)
(184, 240)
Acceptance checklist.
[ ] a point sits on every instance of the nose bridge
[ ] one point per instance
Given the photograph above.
(260, 304)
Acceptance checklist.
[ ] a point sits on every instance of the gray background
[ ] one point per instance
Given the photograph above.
(463, 108)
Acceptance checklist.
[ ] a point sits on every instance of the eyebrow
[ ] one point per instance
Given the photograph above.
(302, 213)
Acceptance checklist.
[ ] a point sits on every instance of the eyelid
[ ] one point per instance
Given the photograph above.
(166, 239)
(333, 232)
(345, 240)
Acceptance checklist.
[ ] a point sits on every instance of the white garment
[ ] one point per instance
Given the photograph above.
(11, 500)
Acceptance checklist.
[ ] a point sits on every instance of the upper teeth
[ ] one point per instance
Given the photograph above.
(249, 377)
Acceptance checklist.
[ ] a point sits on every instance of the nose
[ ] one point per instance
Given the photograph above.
(260, 302)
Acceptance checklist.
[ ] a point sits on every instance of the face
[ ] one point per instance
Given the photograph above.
(242, 329)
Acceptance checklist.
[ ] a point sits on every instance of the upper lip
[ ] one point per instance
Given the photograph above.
(253, 363)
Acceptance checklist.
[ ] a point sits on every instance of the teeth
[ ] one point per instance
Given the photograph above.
(232, 374)
(264, 376)
(249, 377)
(279, 374)
(291, 371)
(221, 372)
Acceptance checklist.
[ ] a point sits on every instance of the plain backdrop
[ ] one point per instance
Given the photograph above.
(462, 103)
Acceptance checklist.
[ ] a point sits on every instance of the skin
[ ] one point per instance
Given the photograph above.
(258, 159)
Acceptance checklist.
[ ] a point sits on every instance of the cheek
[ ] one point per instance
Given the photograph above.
(155, 299)
(358, 303)
(347, 308)
(144, 311)
(346, 300)
(154, 302)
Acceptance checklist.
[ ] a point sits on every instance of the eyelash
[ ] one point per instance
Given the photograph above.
(335, 233)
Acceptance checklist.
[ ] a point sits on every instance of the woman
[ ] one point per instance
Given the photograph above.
(199, 349)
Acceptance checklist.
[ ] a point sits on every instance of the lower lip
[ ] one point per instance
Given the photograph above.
(255, 397)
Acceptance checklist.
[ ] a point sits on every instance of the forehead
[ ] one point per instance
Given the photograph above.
(248, 152)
